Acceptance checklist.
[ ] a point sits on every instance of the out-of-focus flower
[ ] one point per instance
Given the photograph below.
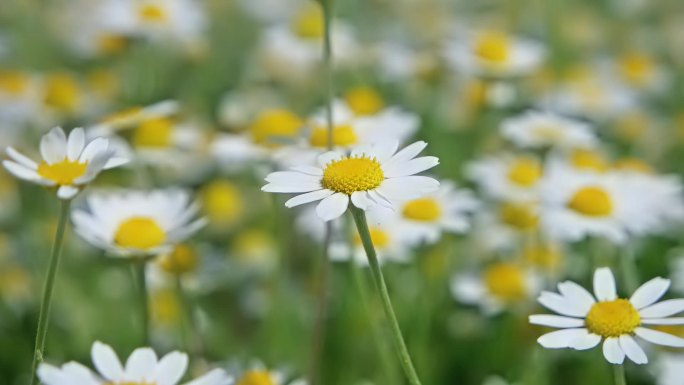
(545, 129)
(371, 175)
(255, 249)
(507, 176)
(640, 71)
(142, 367)
(132, 223)
(669, 368)
(133, 116)
(222, 203)
(68, 164)
(586, 320)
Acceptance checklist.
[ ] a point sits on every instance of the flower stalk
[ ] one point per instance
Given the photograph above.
(619, 374)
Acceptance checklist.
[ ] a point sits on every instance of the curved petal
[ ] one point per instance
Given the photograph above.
(604, 285)
(411, 167)
(578, 295)
(291, 188)
(560, 304)
(53, 146)
(650, 292)
(93, 148)
(409, 152)
(79, 374)
(408, 187)
(21, 158)
(663, 321)
(333, 206)
(51, 375)
(659, 338)
(214, 377)
(308, 197)
(663, 309)
(565, 338)
(613, 352)
(75, 143)
(140, 364)
(106, 361)
(67, 192)
(170, 369)
(633, 351)
(361, 200)
(556, 321)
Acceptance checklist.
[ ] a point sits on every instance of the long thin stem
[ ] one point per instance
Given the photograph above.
(619, 372)
(143, 299)
(399, 344)
(46, 303)
(630, 271)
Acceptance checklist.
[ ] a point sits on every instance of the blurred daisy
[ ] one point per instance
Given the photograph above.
(507, 176)
(497, 286)
(136, 223)
(535, 129)
(669, 369)
(68, 164)
(133, 116)
(586, 320)
(494, 53)
(259, 374)
(371, 175)
(142, 367)
(640, 71)
(181, 21)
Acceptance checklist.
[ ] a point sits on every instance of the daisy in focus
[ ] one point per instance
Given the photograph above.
(142, 367)
(136, 223)
(535, 129)
(586, 320)
(369, 176)
(68, 163)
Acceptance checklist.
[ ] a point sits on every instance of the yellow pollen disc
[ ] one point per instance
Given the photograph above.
(544, 256)
(343, 136)
(548, 133)
(110, 44)
(273, 125)
(254, 246)
(522, 216)
(102, 82)
(352, 174)
(14, 82)
(636, 68)
(309, 24)
(139, 233)
(505, 281)
(379, 237)
(633, 164)
(166, 310)
(62, 173)
(525, 172)
(493, 47)
(62, 91)
(155, 132)
(182, 259)
(152, 13)
(256, 377)
(222, 202)
(423, 210)
(591, 201)
(588, 160)
(613, 318)
(364, 101)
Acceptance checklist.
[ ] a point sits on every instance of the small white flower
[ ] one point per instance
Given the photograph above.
(142, 368)
(586, 320)
(134, 223)
(371, 175)
(68, 164)
(507, 176)
(535, 129)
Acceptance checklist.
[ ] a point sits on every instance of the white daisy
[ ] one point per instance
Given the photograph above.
(134, 223)
(135, 115)
(535, 129)
(371, 175)
(68, 164)
(507, 176)
(142, 367)
(494, 53)
(586, 320)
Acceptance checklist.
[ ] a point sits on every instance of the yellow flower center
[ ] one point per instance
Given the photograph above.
(493, 47)
(109, 44)
(636, 68)
(505, 281)
(222, 202)
(254, 246)
(544, 256)
(14, 82)
(548, 133)
(155, 132)
(343, 136)
(379, 237)
(588, 160)
(423, 210)
(256, 377)
(152, 13)
(309, 24)
(364, 101)
(182, 259)
(122, 116)
(613, 318)
(525, 172)
(62, 91)
(274, 125)
(591, 201)
(104, 83)
(139, 233)
(521, 216)
(62, 173)
(166, 310)
(351, 174)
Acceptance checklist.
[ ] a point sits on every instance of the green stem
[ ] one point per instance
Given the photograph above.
(630, 272)
(139, 274)
(44, 316)
(399, 344)
(186, 316)
(619, 371)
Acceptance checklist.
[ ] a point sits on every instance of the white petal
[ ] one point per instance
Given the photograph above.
(604, 285)
(21, 158)
(53, 146)
(21, 172)
(578, 295)
(663, 321)
(411, 167)
(291, 188)
(650, 292)
(587, 341)
(67, 192)
(170, 369)
(565, 338)
(633, 351)
(50, 375)
(106, 362)
(408, 187)
(140, 364)
(93, 148)
(115, 162)
(291, 177)
(361, 200)
(328, 157)
(613, 352)
(385, 149)
(79, 374)
(308, 197)
(659, 338)
(556, 321)
(663, 309)
(560, 304)
(333, 206)
(214, 377)
(310, 170)
(75, 143)
(408, 153)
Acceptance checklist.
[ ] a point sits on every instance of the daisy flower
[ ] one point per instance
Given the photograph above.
(132, 223)
(133, 116)
(586, 320)
(507, 176)
(68, 164)
(536, 129)
(142, 367)
(370, 175)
